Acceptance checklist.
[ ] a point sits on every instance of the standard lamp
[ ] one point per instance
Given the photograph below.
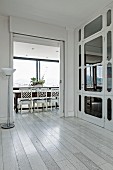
(8, 72)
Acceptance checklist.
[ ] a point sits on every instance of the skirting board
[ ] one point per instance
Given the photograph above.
(70, 114)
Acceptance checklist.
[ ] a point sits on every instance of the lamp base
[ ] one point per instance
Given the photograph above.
(6, 126)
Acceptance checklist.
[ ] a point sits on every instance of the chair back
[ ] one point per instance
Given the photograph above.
(26, 93)
(55, 93)
(42, 93)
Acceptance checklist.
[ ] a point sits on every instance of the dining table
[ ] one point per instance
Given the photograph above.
(17, 95)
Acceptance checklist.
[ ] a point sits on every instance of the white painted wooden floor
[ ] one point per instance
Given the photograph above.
(43, 141)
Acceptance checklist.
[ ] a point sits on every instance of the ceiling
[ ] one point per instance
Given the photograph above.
(58, 12)
(36, 51)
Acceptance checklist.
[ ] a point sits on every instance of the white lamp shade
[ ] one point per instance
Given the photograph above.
(8, 71)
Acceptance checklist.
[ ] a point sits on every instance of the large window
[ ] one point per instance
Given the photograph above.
(26, 69)
(50, 72)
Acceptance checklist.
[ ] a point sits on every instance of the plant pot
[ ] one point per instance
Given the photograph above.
(38, 85)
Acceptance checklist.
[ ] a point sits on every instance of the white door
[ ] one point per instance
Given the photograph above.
(95, 71)
(91, 86)
(109, 80)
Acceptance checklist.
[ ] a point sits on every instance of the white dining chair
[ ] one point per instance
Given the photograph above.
(41, 99)
(26, 98)
(54, 97)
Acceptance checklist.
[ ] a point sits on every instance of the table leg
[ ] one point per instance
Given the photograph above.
(15, 104)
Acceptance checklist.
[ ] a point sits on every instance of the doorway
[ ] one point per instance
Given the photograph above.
(45, 57)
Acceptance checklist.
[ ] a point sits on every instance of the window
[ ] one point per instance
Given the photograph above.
(79, 55)
(93, 55)
(79, 102)
(51, 72)
(93, 51)
(109, 109)
(93, 106)
(109, 77)
(93, 78)
(80, 35)
(25, 69)
(93, 27)
(109, 17)
(79, 79)
(109, 45)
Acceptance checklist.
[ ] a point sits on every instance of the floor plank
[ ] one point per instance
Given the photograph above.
(9, 156)
(44, 141)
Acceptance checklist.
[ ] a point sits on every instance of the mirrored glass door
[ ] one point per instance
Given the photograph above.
(95, 87)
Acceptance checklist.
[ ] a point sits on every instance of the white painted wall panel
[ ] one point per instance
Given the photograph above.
(29, 27)
(69, 75)
(4, 62)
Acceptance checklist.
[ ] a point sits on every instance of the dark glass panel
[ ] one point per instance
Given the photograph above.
(109, 109)
(93, 51)
(109, 17)
(93, 78)
(79, 79)
(80, 35)
(93, 27)
(79, 102)
(79, 55)
(109, 45)
(93, 106)
(109, 77)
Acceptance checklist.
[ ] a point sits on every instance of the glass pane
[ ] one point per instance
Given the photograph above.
(93, 106)
(79, 102)
(109, 109)
(109, 45)
(88, 79)
(93, 51)
(80, 35)
(109, 77)
(93, 27)
(79, 79)
(79, 55)
(25, 70)
(50, 71)
(93, 78)
(108, 17)
(99, 76)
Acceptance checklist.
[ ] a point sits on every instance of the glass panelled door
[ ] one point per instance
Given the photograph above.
(92, 72)
(95, 87)
(109, 75)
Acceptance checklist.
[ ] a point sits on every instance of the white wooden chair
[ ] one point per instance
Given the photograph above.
(54, 97)
(26, 98)
(41, 99)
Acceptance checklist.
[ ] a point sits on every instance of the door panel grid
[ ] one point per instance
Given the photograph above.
(95, 73)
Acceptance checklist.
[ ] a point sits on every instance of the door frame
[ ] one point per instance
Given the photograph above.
(36, 40)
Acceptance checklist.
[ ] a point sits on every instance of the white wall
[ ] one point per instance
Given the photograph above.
(76, 78)
(4, 62)
(69, 72)
(28, 27)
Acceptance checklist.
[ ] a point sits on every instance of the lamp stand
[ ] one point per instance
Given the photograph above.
(8, 125)
(8, 72)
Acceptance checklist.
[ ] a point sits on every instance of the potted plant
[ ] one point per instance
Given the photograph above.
(35, 82)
